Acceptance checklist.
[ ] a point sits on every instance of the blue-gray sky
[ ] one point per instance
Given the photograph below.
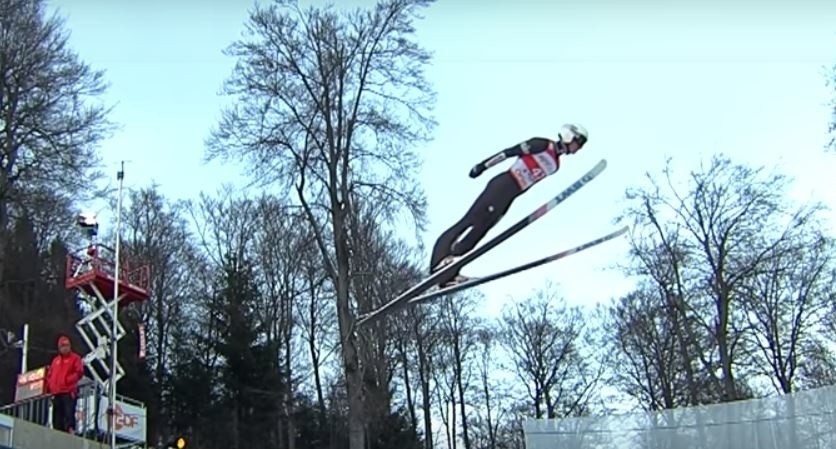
(649, 79)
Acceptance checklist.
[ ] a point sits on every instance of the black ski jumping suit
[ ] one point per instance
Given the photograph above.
(537, 158)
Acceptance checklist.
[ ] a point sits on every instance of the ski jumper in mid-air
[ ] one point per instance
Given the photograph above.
(537, 158)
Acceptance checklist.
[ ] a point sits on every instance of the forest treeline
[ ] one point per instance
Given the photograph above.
(250, 336)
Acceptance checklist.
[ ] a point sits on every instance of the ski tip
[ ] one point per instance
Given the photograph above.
(620, 231)
(598, 168)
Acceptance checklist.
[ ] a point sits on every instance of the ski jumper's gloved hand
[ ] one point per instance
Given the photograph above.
(477, 170)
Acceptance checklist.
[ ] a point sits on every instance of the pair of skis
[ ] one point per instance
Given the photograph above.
(411, 296)
(475, 282)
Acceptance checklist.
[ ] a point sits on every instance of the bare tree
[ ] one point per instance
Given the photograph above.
(407, 331)
(543, 337)
(727, 225)
(509, 433)
(423, 333)
(786, 300)
(280, 251)
(315, 315)
(191, 357)
(224, 225)
(487, 417)
(317, 320)
(444, 385)
(650, 363)
(820, 369)
(381, 266)
(448, 349)
(223, 229)
(50, 123)
(406, 364)
(458, 329)
(52, 215)
(660, 255)
(156, 233)
(331, 105)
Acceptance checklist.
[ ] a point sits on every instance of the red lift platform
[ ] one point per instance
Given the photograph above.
(94, 272)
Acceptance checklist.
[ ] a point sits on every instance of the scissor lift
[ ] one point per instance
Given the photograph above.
(91, 272)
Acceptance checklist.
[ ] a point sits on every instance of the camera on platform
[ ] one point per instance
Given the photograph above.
(88, 222)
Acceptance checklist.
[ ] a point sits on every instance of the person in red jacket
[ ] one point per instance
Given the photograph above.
(62, 379)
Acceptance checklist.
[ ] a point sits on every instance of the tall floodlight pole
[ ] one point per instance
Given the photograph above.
(115, 324)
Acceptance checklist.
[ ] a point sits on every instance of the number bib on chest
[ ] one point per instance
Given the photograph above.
(531, 168)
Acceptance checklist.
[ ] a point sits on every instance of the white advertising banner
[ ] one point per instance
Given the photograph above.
(130, 418)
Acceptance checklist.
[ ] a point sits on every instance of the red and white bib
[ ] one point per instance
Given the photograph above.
(531, 168)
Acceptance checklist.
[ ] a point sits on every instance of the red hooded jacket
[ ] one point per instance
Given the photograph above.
(64, 373)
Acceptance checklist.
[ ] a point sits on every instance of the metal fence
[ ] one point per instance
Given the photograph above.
(804, 420)
(91, 415)
(38, 410)
(6, 424)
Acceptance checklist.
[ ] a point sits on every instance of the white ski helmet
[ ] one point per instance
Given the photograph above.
(572, 132)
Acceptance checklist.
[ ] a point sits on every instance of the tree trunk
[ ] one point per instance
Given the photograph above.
(487, 391)
(160, 371)
(354, 386)
(729, 390)
(426, 399)
(538, 403)
(410, 401)
(459, 384)
(351, 359)
(320, 397)
(547, 398)
(682, 331)
(683, 341)
(453, 419)
(288, 392)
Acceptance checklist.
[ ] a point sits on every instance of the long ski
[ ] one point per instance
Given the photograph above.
(437, 277)
(501, 274)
